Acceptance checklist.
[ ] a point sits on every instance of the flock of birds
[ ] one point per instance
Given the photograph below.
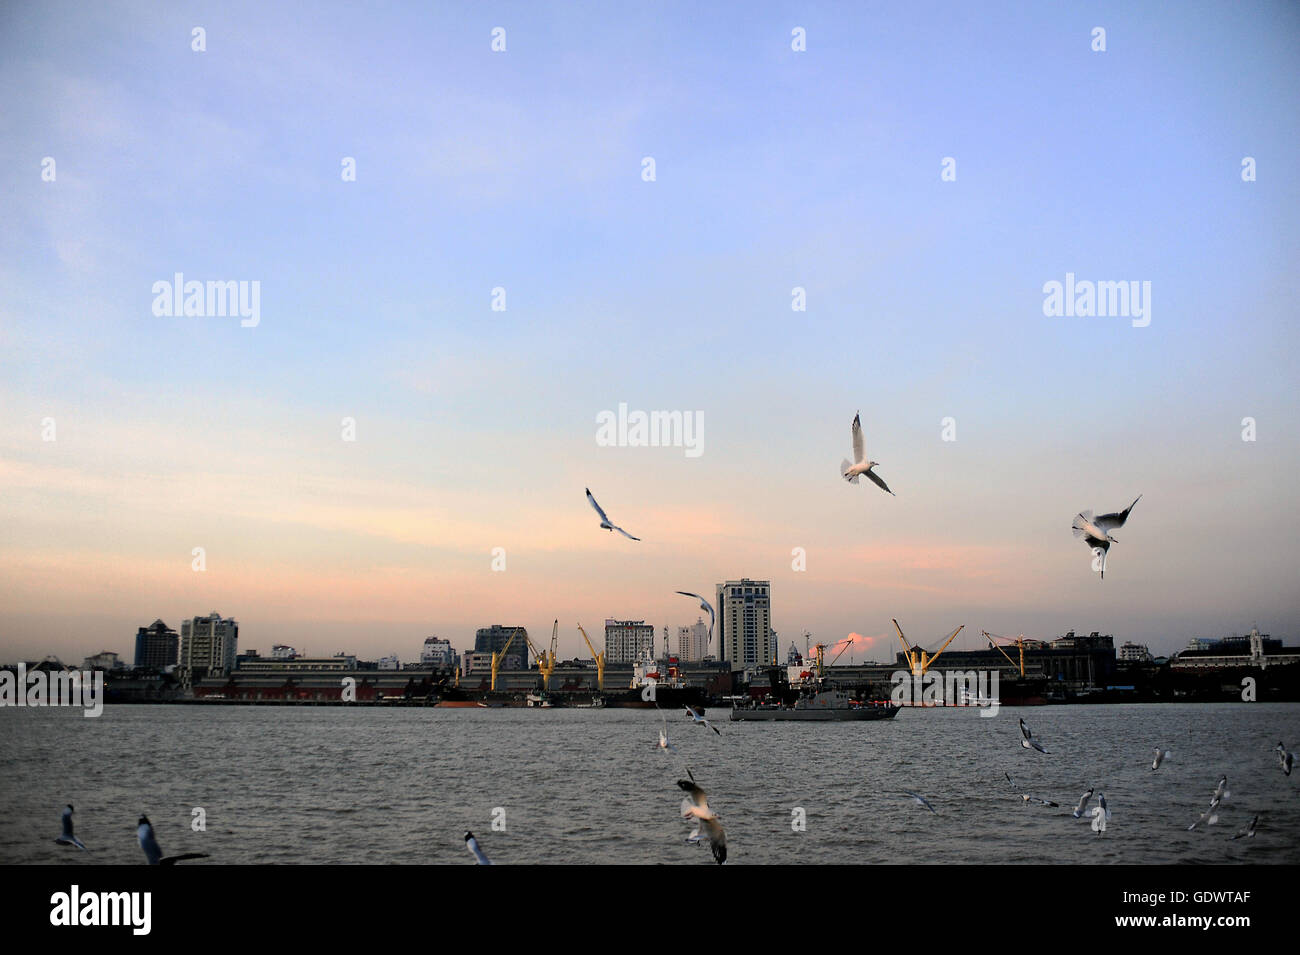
(1095, 532)
(144, 835)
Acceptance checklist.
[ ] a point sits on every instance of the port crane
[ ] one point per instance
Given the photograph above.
(600, 660)
(1019, 642)
(820, 650)
(918, 660)
(499, 655)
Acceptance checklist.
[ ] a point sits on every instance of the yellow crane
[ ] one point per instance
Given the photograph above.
(820, 651)
(918, 660)
(600, 660)
(499, 655)
(1019, 642)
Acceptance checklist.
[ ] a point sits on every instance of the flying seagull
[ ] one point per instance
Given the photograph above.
(1083, 802)
(1028, 741)
(699, 720)
(605, 521)
(1025, 797)
(704, 605)
(708, 826)
(151, 850)
(1284, 759)
(1100, 814)
(67, 838)
(1209, 817)
(860, 465)
(920, 801)
(1096, 531)
(1161, 756)
(663, 734)
(472, 845)
(1249, 831)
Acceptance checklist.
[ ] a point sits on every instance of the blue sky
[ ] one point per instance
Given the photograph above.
(521, 169)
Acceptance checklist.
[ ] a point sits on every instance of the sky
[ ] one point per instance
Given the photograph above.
(523, 169)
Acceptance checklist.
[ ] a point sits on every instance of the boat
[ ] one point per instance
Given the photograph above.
(817, 706)
(656, 684)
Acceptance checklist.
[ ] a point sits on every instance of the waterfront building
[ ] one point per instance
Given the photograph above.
(1253, 649)
(209, 645)
(1134, 653)
(104, 660)
(693, 642)
(476, 661)
(438, 652)
(281, 651)
(390, 663)
(156, 646)
(341, 661)
(495, 638)
(745, 633)
(627, 640)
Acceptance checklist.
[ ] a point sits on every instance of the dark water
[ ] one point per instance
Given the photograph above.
(335, 785)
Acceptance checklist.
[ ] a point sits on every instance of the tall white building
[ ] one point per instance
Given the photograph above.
(209, 643)
(693, 641)
(626, 640)
(437, 652)
(745, 622)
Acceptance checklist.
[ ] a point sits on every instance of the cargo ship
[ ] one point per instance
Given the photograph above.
(816, 706)
(656, 684)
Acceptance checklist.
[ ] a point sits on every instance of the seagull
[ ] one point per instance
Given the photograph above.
(1029, 742)
(151, 850)
(1209, 817)
(708, 826)
(1161, 756)
(1221, 791)
(67, 838)
(704, 605)
(920, 801)
(1284, 759)
(1083, 802)
(663, 734)
(1100, 814)
(472, 845)
(860, 465)
(604, 520)
(1096, 531)
(1249, 831)
(699, 720)
(1028, 798)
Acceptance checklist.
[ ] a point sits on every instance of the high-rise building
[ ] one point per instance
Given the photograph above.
(156, 646)
(438, 652)
(693, 641)
(209, 644)
(493, 639)
(627, 640)
(745, 622)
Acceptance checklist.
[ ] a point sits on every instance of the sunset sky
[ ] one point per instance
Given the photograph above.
(775, 169)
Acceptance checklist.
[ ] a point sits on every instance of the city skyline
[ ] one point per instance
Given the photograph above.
(475, 430)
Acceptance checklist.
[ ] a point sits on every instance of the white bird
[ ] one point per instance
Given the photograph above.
(1249, 831)
(472, 845)
(699, 720)
(920, 801)
(1221, 791)
(1083, 802)
(860, 464)
(663, 733)
(1096, 531)
(708, 825)
(1284, 759)
(704, 605)
(1209, 817)
(152, 852)
(67, 838)
(605, 521)
(1161, 756)
(1028, 741)
(1100, 814)
(1025, 797)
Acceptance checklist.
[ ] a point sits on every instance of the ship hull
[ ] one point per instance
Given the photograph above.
(815, 715)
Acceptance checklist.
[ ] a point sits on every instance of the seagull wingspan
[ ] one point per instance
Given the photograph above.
(1108, 522)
